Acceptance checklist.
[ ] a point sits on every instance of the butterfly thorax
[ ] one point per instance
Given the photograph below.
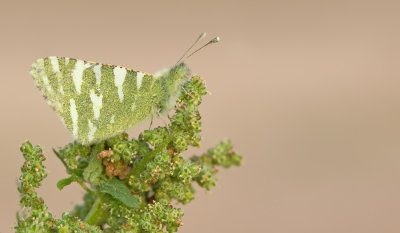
(171, 83)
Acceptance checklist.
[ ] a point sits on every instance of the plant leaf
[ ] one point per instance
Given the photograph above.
(64, 182)
(119, 191)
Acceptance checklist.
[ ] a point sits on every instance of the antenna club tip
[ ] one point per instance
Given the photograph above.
(202, 35)
(215, 40)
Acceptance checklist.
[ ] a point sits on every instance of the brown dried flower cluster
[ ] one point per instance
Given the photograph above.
(120, 168)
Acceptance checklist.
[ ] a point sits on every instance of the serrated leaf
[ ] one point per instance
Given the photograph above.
(64, 182)
(119, 191)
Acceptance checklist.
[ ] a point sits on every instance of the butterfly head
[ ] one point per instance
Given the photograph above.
(180, 72)
(172, 82)
(174, 79)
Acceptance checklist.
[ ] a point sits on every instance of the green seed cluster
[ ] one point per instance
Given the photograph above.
(154, 217)
(131, 184)
(186, 124)
(221, 155)
(34, 216)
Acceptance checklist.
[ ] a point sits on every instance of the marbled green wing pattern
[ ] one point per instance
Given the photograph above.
(96, 101)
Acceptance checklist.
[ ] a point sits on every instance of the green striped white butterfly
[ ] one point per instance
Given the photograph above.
(96, 101)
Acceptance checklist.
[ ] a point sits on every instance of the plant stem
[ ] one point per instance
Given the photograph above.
(95, 212)
(80, 182)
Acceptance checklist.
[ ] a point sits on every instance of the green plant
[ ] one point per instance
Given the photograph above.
(131, 184)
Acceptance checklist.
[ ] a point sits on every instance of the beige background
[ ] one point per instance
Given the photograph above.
(308, 91)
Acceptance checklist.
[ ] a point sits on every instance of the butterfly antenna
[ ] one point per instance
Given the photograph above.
(215, 40)
(202, 35)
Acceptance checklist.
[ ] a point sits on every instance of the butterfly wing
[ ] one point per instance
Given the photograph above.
(95, 101)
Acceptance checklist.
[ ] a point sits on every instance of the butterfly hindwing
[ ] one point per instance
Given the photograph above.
(95, 101)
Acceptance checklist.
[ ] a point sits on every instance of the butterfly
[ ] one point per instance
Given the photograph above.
(96, 101)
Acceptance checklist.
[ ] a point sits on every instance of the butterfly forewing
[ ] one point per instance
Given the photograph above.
(95, 101)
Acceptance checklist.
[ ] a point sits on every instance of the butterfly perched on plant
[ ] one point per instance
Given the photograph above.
(96, 101)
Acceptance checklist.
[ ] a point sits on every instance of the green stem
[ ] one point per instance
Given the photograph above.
(95, 213)
(80, 182)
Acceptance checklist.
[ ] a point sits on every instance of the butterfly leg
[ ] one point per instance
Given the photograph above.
(151, 122)
(163, 120)
(152, 115)
(165, 123)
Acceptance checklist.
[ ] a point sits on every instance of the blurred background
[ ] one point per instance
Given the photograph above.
(308, 92)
